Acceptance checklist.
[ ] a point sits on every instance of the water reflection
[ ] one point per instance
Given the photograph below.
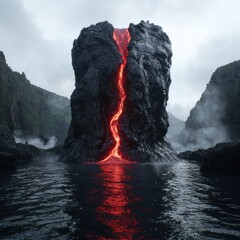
(114, 209)
(32, 200)
(199, 206)
(51, 200)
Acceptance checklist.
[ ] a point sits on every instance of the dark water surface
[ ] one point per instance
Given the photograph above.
(50, 200)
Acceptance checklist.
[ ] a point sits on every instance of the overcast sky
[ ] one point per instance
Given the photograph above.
(36, 37)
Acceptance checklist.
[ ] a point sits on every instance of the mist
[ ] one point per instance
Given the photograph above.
(204, 127)
(37, 142)
(42, 33)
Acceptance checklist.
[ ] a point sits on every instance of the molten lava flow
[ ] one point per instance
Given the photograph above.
(122, 38)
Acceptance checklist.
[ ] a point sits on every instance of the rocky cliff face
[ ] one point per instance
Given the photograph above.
(215, 118)
(31, 109)
(144, 120)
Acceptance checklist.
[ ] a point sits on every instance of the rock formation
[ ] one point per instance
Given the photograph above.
(31, 109)
(143, 123)
(224, 158)
(11, 153)
(215, 118)
(14, 154)
(6, 136)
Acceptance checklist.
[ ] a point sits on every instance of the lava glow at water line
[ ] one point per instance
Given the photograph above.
(122, 39)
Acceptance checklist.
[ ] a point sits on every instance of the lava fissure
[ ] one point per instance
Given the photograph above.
(122, 39)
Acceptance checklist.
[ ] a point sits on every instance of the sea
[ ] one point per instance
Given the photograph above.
(49, 199)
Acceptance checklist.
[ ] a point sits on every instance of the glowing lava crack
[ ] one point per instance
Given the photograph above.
(122, 38)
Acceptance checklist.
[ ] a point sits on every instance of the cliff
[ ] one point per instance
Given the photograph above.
(29, 108)
(143, 123)
(215, 118)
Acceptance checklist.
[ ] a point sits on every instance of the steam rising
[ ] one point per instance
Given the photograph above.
(204, 128)
(204, 138)
(37, 142)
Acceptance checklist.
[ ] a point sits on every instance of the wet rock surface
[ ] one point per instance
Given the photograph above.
(224, 158)
(144, 122)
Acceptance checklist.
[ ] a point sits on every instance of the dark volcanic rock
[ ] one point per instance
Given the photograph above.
(22, 152)
(95, 60)
(57, 150)
(31, 109)
(215, 118)
(198, 155)
(6, 136)
(12, 155)
(223, 158)
(144, 122)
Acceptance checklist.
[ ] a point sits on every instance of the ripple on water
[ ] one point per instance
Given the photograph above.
(48, 199)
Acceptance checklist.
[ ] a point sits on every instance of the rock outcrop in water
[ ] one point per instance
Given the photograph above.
(215, 118)
(31, 109)
(11, 153)
(144, 121)
(224, 158)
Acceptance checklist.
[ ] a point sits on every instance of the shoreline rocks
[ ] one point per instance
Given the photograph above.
(224, 158)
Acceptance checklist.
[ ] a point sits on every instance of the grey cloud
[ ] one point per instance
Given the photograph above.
(36, 37)
(46, 63)
(191, 81)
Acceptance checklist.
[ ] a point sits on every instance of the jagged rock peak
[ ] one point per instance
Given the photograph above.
(146, 27)
(2, 58)
(31, 109)
(144, 121)
(215, 117)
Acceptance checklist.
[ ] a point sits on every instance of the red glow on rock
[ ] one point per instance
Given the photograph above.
(122, 38)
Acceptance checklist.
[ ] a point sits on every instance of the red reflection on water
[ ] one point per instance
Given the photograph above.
(114, 208)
